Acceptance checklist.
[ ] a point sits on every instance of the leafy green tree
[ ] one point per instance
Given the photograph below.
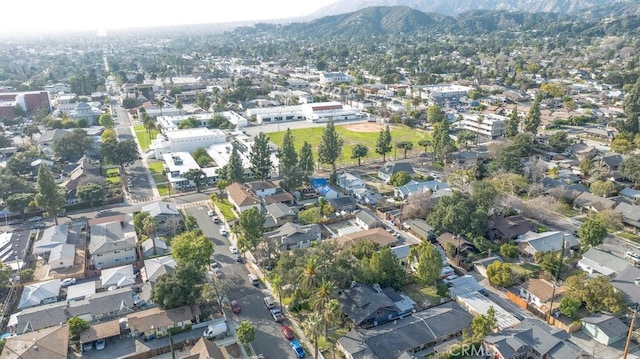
(312, 328)
(570, 306)
(602, 188)
(287, 155)
(108, 134)
(405, 146)
(276, 283)
(631, 168)
(425, 143)
(139, 219)
(20, 163)
(359, 152)
(245, 332)
(91, 193)
(631, 107)
(192, 248)
(26, 275)
(260, 157)
(400, 179)
(72, 145)
(509, 183)
(180, 288)
(105, 120)
(77, 325)
(11, 184)
(597, 294)
(234, 169)
(513, 123)
(435, 114)
(120, 153)
(5, 275)
(179, 106)
(19, 202)
(559, 141)
(465, 138)
(149, 228)
(29, 131)
(484, 324)
(442, 142)
(532, 121)
(49, 196)
(383, 144)
(622, 145)
(364, 249)
(507, 160)
(383, 268)
(330, 147)
(592, 232)
(549, 261)
(331, 315)
(321, 298)
(251, 229)
(197, 176)
(500, 274)
(306, 162)
(429, 262)
(509, 251)
(586, 166)
(459, 214)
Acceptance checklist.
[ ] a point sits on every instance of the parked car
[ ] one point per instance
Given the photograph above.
(288, 333)
(233, 250)
(215, 219)
(87, 346)
(217, 272)
(67, 282)
(214, 263)
(235, 307)
(297, 348)
(34, 219)
(277, 314)
(211, 213)
(39, 225)
(223, 231)
(14, 222)
(100, 344)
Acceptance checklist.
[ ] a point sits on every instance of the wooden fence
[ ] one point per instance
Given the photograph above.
(520, 302)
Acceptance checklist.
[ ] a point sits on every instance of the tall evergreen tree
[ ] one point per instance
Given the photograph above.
(631, 106)
(383, 144)
(50, 197)
(287, 153)
(330, 147)
(306, 161)
(513, 123)
(442, 143)
(234, 171)
(260, 157)
(532, 121)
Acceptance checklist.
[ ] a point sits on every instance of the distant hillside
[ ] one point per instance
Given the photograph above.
(456, 7)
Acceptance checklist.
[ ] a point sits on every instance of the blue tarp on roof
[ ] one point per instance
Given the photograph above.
(318, 182)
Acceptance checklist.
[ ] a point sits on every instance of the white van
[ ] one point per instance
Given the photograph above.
(253, 279)
(215, 329)
(268, 302)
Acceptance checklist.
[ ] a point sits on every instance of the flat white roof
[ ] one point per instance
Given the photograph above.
(481, 304)
(194, 132)
(187, 161)
(81, 290)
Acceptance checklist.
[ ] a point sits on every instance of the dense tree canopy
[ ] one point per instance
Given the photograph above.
(459, 215)
(429, 262)
(192, 248)
(330, 147)
(180, 288)
(260, 158)
(72, 145)
(592, 232)
(383, 143)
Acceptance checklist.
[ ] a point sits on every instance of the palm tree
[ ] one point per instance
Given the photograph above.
(312, 328)
(331, 315)
(276, 282)
(321, 298)
(479, 120)
(246, 333)
(160, 104)
(150, 127)
(309, 277)
(179, 106)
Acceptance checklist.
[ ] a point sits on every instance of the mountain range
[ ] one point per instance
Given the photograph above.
(456, 7)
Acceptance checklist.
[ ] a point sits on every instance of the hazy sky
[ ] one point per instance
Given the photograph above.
(37, 16)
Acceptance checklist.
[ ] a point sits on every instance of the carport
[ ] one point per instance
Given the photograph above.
(100, 331)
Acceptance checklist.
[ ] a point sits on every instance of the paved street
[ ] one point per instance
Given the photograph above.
(269, 339)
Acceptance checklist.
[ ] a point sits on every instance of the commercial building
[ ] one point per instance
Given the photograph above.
(312, 112)
(187, 140)
(492, 126)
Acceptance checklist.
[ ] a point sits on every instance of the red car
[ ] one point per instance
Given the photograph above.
(235, 307)
(288, 333)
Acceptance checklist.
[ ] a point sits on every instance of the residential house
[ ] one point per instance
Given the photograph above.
(328, 192)
(153, 269)
(477, 303)
(51, 237)
(292, 235)
(581, 151)
(501, 229)
(531, 243)
(588, 202)
(40, 293)
(560, 190)
(98, 331)
(208, 349)
(539, 292)
(370, 306)
(481, 265)
(605, 329)
(262, 189)
(628, 282)
(422, 229)
(118, 277)
(350, 182)
(599, 262)
(630, 195)
(367, 219)
(415, 187)
(81, 290)
(280, 213)
(62, 256)
(414, 336)
(630, 215)
(368, 197)
(82, 171)
(532, 339)
(390, 168)
(343, 204)
(154, 247)
(241, 198)
(377, 235)
(155, 323)
(461, 245)
(45, 141)
(166, 215)
(50, 343)
(611, 161)
(113, 243)
(280, 197)
(100, 306)
(469, 158)
(465, 284)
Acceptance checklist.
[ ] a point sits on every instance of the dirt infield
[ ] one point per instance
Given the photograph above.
(365, 127)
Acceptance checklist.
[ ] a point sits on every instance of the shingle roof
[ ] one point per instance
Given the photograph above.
(546, 241)
(610, 325)
(34, 294)
(240, 195)
(158, 208)
(392, 168)
(50, 343)
(377, 235)
(108, 237)
(360, 302)
(279, 210)
(604, 262)
(541, 289)
(587, 199)
(625, 281)
(118, 276)
(158, 318)
(155, 267)
(367, 217)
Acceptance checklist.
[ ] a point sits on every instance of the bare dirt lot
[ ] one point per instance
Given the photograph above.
(365, 127)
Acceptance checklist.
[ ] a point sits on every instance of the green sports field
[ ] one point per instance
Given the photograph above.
(352, 134)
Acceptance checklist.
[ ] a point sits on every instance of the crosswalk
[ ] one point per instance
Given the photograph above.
(194, 204)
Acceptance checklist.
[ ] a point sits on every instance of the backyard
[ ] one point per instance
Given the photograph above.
(143, 136)
(225, 208)
(157, 168)
(360, 133)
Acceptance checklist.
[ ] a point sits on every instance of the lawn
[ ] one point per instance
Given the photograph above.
(524, 270)
(156, 168)
(225, 208)
(629, 236)
(143, 136)
(421, 294)
(352, 137)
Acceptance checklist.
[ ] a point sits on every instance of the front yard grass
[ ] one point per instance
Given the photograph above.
(143, 136)
(225, 208)
(629, 236)
(524, 270)
(421, 293)
(156, 168)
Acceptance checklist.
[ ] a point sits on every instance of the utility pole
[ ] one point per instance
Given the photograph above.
(633, 321)
(555, 285)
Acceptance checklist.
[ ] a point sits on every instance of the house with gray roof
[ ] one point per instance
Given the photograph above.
(589, 202)
(350, 182)
(531, 243)
(599, 262)
(51, 237)
(113, 243)
(367, 219)
(481, 265)
(631, 195)
(280, 213)
(118, 277)
(370, 306)
(630, 214)
(154, 247)
(346, 204)
(628, 282)
(166, 215)
(390, 168)
(40, 293)
(421, 228)
(605, 329)
(532, 338)
(416, 335)
(293, 235)
(415, 187)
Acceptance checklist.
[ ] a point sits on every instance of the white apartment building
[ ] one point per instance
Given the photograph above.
(492, 126)
(330, 78)
(170, 123)
(177, 164)
(438, 92)
(187, 140)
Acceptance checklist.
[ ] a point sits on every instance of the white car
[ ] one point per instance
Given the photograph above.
(223, 231)
(67, 282)
(100, 344)
(233, 250)
(34, 219)
(211, 213)
(217, 272)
